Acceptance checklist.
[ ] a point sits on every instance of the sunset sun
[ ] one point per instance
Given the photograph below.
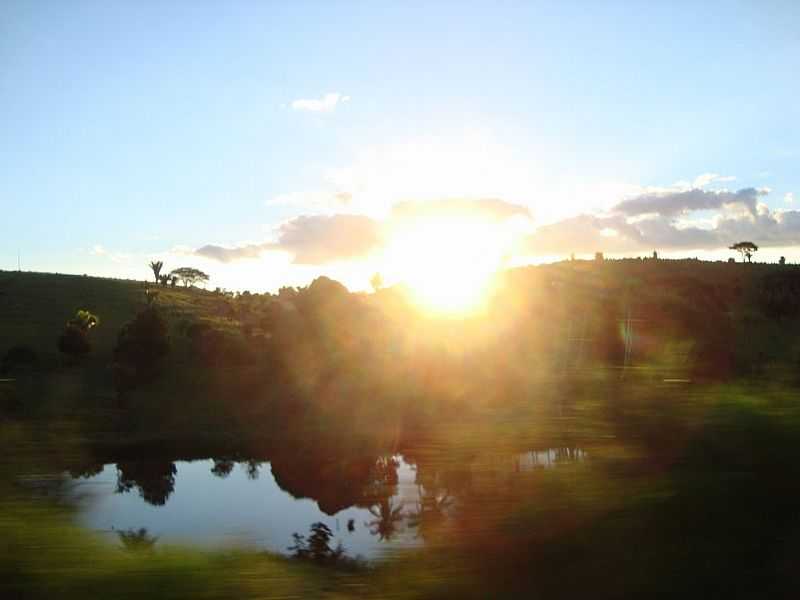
(448, 263)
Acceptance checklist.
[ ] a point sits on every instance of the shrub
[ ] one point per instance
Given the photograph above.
(74, 340)
(141, 348)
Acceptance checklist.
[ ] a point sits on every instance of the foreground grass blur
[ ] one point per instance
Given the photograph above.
(686, 494)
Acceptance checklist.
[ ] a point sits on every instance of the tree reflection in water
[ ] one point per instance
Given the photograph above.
(154, 479)
(137, 540)
(387, 518)
(222, 467)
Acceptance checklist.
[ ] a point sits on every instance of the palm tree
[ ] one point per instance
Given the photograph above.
(156, 265)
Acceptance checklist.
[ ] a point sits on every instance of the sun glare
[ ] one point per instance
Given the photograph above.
(449, 264)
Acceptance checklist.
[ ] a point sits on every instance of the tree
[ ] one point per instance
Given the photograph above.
(746, 249)
(74, 340)
(189, 276)
(141, 347)
(782, 261)
(157, 265)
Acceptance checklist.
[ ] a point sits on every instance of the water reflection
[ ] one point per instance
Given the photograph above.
(370, 504)
(154, 479)
(223, 502)
(137, 540)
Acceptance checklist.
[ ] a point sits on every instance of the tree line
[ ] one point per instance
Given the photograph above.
(188, 276)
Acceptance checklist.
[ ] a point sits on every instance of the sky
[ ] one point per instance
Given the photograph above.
(268, 143)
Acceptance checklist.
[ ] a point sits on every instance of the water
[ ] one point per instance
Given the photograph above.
(373, 507)
(246, 507)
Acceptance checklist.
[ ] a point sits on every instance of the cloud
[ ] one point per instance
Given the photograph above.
(311, 239)
(318, 239)
(584, 233)
(226, 255)
(325, 238)
(707, 178)
(491, 209)
(788, 198)
(327, 103)
(589, 233)
(673, 203)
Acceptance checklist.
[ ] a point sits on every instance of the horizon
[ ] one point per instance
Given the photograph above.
(271, 144)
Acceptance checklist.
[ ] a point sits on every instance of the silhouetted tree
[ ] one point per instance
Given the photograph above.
(156, 266)
(189, 276)
(782, 260)
(746, 249)
(74, 340)
(598, 256)
(141, 347)
(163, 279)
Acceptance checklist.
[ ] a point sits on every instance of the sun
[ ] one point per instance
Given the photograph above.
(448, 263)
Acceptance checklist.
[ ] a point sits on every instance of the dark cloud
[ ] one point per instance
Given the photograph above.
(485, 208)
(670, 204)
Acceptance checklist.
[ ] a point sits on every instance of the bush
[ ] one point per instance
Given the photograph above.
(141, 348)
(74, 340)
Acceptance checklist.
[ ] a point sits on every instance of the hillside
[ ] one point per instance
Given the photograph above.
(35, 306)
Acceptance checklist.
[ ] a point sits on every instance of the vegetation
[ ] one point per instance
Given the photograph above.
(189, 276)
(677, 379)
(74, 340)
(141, 348)
(156, 266)
(746, 249)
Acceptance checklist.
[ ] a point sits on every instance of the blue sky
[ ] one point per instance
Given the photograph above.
(139, 130)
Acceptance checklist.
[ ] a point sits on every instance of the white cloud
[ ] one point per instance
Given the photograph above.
(788, 197)
(327, 103)
(708, 178)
